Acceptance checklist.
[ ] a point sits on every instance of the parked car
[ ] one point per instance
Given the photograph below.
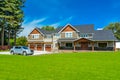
(21, 50)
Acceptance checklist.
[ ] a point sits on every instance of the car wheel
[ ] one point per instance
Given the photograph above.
(24, 53)
(12, 52)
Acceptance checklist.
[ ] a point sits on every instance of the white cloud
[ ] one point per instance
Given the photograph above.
(28, 27)
(62, 22)
(99, 28)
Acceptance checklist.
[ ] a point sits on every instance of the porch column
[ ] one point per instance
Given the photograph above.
(115, 46)
(35, 46)
(44, 47)
(74, 45)
(92, 46)
(29, 45)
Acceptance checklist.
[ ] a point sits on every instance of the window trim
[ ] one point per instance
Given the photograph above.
(66, 34)
(38, 36)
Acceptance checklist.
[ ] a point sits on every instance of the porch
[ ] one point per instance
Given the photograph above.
(84, 44)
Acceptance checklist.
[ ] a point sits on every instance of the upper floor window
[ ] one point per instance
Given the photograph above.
(48, 36)
(68, 34)
(35, 36)
(57, 35)
(85, 35)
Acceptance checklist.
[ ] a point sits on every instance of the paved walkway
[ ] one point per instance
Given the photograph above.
(35, 52)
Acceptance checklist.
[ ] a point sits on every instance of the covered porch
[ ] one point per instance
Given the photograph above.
(75, 44)
(83, 44)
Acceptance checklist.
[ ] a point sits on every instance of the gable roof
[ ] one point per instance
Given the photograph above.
(103, 35)
(66, 26)
(80, 28)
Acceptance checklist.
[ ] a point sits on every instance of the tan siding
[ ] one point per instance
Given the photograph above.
(75, 35)
(35, 31)
(62, 35)
(40, 37)
(68, 28)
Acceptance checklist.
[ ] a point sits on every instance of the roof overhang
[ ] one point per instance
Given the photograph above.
(83, 40)
(66, 26)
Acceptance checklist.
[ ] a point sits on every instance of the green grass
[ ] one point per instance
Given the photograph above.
(72, 66)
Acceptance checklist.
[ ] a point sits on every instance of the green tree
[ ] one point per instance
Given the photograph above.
(11, 18)
(21, 41)
(115, 27)
(48, 28)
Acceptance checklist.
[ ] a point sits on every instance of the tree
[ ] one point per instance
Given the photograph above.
(11, 18)
(48, 28)
(115, 27)
(21, 41)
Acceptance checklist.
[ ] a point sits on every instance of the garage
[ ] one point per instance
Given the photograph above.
(39, 47)
(32, 46)
(48, 47)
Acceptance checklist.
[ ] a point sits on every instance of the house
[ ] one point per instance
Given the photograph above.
(69, 37)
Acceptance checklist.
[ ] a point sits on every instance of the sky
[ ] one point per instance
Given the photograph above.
(38, 13)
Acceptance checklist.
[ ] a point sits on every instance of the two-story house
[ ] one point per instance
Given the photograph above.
(68, 37)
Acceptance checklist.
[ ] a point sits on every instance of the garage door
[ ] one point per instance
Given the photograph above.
(39, 47)
(48, 47)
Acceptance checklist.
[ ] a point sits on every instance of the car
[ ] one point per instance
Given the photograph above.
(21, 50)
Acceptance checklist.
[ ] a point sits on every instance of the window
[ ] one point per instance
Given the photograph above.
(69, 45)
(48, 36)
(35, 36)
(57, 35)
(68, 34)
(102, 45)
(85, 35)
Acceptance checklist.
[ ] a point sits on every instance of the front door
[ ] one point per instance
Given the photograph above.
(84, 45)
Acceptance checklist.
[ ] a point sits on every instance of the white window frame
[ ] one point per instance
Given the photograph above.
(50, 37)
(35, 36)
(68, 34)
(57, 35)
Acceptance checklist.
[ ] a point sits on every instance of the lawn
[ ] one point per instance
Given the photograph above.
(67, 66)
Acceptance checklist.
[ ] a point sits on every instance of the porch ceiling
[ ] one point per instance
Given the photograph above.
(66, 39)
(83, 40)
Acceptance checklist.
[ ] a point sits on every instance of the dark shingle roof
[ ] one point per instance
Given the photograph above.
(103, 35)
(85, 28)
(82, 28)
(98, 35)
(44, 31)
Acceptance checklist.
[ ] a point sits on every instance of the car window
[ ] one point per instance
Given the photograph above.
(17, 47)
(25, 47)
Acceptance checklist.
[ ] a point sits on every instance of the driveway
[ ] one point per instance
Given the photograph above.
(35, 52)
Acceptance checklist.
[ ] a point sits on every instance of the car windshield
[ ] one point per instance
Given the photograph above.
(25, 47)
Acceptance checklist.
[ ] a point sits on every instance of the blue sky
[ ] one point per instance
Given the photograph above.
(60, 12)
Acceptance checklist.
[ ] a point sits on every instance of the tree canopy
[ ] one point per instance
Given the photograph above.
(11, 18)
(48, 28)
(21, 41)
(115, 27)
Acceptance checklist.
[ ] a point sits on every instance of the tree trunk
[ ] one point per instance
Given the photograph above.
(2, 37)
(9, 37)
(15, 37)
